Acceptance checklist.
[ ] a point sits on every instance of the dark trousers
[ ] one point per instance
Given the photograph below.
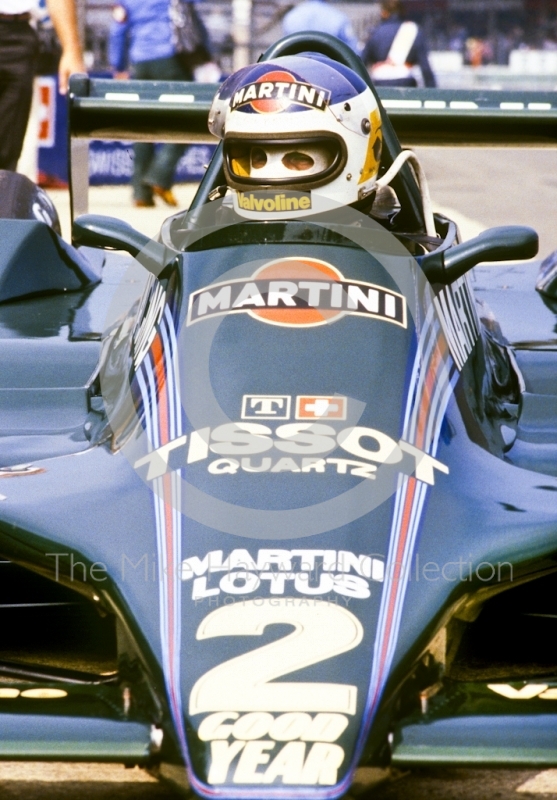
(156, 166)
(18, 58)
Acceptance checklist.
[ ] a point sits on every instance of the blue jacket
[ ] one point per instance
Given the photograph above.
(317, 15)
(143, 34)
(379, 43)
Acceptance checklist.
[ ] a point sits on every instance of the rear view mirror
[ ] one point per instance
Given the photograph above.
(507, 243)
(95, 230)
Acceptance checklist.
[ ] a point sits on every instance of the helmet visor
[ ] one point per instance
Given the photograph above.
(300, 162)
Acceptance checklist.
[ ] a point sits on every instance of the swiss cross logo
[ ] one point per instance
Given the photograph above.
(320, 407)
(266, 406)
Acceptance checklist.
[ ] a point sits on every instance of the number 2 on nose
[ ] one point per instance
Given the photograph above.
(245, 683)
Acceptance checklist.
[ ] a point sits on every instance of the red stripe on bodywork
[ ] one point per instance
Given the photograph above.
(161, 386)
(405, 523)
(429, 384)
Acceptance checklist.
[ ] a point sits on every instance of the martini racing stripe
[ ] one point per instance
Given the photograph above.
(431, 384)
(157, 379)
(435, 386)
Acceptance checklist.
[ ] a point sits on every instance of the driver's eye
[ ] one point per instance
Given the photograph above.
(258, 158)
(298, 161)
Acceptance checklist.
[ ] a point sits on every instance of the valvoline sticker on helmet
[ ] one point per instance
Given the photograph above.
(277, 91)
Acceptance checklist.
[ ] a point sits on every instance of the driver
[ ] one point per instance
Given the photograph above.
(301, 134)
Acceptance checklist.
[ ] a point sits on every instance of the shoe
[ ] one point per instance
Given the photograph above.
(144, 203)
(166, 195)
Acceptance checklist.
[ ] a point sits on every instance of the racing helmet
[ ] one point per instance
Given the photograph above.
(300, 134)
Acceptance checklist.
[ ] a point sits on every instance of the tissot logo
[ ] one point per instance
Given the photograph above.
(297, 292)
(309, 406)
(266, 406)
(277, 90)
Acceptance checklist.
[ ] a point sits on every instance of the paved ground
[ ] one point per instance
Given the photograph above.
(462, 784)
(497, 186)
(478, 188)
(112, 782)
(115, 201)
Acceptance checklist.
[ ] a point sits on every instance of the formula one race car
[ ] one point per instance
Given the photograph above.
(296, 512)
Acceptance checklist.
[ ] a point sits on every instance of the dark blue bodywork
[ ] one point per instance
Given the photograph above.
(245, 534)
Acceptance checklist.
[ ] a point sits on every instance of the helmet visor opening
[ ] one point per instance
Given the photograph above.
(284, 162)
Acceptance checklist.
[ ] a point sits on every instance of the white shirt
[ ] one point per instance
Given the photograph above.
(17, 6)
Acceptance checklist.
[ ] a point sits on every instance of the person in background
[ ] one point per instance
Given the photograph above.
(18, 58)
(143, 37)
(318, 15)
(394, 47)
